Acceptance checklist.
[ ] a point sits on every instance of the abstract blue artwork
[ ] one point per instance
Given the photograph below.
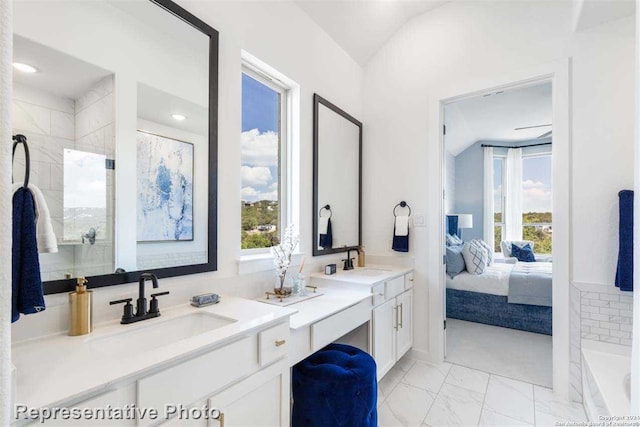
(164, 189)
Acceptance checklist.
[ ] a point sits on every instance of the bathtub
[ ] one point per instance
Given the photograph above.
(605, 379)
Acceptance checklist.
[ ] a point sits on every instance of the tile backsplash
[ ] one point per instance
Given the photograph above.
(606, 316)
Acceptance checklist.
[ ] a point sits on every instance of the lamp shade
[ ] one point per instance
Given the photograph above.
(465, 220)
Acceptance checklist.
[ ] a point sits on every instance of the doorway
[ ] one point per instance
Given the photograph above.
(498, 218)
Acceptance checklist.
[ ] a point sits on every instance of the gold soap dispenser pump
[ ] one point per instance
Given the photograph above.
(80, 309)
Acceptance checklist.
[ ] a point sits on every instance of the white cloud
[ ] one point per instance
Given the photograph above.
(255, 176)
(528, 183)
(259, 149)
(271, 195)
(274, 186)
(248, 192)
(536, 199)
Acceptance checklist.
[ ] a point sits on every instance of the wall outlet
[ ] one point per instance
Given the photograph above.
(418, 220)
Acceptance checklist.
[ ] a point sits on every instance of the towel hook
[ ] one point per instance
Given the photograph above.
(21, 139)
(327, 207)
(402, 204)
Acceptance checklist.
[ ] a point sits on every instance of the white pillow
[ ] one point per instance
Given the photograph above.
(475, 257)
(506, 246)
(489, 251)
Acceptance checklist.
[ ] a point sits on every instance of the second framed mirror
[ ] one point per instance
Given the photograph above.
(337, 179)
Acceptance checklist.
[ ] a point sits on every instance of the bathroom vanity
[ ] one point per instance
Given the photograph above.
(389, 307)
(230, 357)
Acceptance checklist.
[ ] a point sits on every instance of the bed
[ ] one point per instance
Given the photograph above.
(516, 296)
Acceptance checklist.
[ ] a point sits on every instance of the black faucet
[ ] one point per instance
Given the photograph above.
(348, 263)
(141, 303)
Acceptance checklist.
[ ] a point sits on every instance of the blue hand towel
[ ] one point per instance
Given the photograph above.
(624, 272)
(400, 243)
(326, 239)
(27, 294)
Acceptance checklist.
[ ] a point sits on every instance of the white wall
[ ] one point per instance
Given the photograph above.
(462, 43)
(293, 44)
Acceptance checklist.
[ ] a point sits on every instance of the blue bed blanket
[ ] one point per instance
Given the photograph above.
(530, 283)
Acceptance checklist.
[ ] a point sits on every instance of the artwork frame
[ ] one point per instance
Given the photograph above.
(165, 173)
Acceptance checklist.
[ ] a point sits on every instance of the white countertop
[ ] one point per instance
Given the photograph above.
(335, 297)
(369, 275)
(340, 291)
(60, 369)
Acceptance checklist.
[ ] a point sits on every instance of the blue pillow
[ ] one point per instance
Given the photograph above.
(455, 260)
(524, 253)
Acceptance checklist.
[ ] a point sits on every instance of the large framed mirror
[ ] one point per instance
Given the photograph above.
(119, 113)
(337, 179)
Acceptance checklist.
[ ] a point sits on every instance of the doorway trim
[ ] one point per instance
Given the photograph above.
(559, 74)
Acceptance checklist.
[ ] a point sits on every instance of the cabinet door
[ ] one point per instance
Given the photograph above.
(384, 336)
(405, 326)
(261, 400)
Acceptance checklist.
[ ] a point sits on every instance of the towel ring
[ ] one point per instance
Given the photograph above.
(402, 204)
(327, 207)
(21, 139)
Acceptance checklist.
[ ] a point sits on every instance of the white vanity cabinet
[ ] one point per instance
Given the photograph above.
(392, 331)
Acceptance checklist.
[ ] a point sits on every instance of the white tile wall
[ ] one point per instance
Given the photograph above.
(607, 316)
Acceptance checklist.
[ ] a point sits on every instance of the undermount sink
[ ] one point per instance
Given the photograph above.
(371, 272)
(158, 333)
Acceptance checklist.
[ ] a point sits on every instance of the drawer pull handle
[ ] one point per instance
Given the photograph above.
(380, 294)
(280, 342)
(401, 315)
(411, 280)
(315, 288)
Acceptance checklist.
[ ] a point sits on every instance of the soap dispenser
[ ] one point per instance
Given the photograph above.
(80, 309)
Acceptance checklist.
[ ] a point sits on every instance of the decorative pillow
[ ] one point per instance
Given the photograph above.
(524, 254)
(452, 239)
(489, 251)
(506, 246)
(455, 260)
(475, 257)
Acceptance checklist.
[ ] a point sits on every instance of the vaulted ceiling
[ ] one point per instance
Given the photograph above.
(362, 27)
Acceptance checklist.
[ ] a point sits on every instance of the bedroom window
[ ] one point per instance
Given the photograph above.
(498, 201)
(537, 201)
(263, 140)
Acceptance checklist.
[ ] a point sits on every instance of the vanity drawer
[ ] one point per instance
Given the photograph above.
(395, 287)
(330, 329)
(273, 343)
(378, 294)
(408, 281)
(196, 378)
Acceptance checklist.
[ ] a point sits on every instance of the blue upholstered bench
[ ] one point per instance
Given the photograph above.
(335, 387)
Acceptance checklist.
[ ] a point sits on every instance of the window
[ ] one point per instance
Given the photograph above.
(498, 201)
(537, 201)
(263, 156)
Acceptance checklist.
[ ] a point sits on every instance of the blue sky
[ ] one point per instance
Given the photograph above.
(536, 184)
(260, 140)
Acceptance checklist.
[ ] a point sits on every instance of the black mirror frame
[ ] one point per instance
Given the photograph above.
(67, 285)
(317, 100)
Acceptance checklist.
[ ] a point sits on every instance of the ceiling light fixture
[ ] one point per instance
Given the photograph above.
(178, 117)
(25, 68)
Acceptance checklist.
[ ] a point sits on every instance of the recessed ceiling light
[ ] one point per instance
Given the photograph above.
(25, 68)
(178, 117)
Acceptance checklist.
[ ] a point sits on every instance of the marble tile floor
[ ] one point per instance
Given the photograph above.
(520, 355)
(420, 394)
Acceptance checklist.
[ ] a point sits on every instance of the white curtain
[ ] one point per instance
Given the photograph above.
(513, 195)
(488, 197)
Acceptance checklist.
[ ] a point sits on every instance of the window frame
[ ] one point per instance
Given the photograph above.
(502, 224)
(284, 148)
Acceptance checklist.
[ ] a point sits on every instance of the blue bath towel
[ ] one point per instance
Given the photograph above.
(326, 239)
(27, 294)
(624, 272)
(400, 243)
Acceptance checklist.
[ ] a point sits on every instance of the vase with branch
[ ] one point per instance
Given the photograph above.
(282, 254)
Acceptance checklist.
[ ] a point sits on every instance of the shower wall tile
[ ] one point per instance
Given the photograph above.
(63, 125)
(31, 117)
